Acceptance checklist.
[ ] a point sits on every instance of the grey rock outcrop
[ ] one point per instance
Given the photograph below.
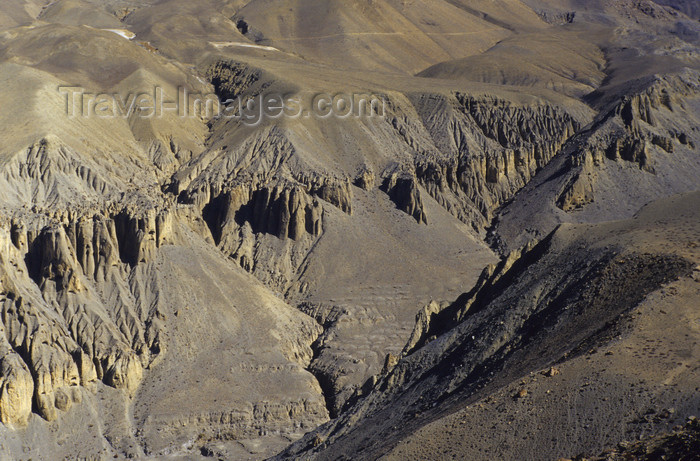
(569, 285)
(629, 131)
(404, 192)
(16, 389)
(77, 266)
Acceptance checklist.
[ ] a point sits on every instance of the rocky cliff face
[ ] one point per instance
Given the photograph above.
(181, 284)
(495, 146)
(107, 328)
(82, 307)
(17, 389)
(271, 204)
(435, 318)
(642, 142)
(282, 210)
(571, 285)
(404, 192)
(631, 131)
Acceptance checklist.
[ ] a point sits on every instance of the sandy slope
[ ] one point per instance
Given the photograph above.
(189, 287)
(624, 293)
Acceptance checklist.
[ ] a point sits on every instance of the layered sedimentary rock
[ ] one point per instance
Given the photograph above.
(435, 318)
(404, 192)
(16, 390)
(642, 142)
(106, 328)
(178, 284)
(554, 302)
(83, 307)
(630, 131)
(496, 147)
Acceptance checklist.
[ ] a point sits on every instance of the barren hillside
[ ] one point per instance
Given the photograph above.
(494, 254)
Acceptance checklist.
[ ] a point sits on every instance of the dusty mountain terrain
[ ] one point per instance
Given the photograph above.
(587, 338)
(502, 264)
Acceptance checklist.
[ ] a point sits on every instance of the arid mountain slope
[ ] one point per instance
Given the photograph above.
(689, 7)
(181, 285)
(639, 148)
(381, 35)
(585, 339)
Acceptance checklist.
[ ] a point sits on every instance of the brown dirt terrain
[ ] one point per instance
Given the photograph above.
(180, 287)
(619, 359)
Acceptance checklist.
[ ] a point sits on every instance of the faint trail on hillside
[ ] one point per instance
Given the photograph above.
(354, 34)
